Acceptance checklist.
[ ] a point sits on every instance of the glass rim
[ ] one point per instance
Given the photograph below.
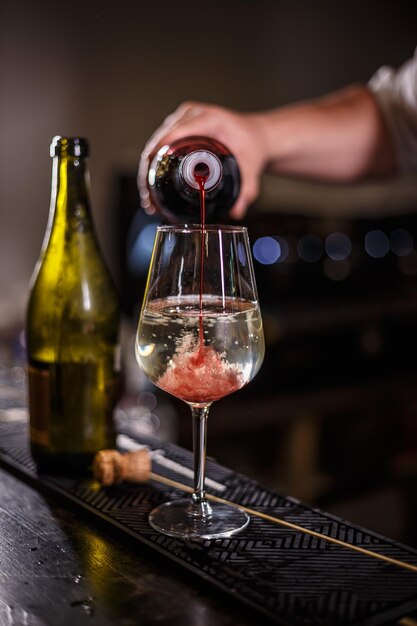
(192, 228)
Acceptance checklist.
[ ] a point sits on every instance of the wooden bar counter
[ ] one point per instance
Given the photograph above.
(58, 568)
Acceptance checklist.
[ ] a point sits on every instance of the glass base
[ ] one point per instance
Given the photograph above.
(182, 519)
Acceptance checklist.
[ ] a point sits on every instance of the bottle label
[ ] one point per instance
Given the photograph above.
(39, 404)
(71, 405)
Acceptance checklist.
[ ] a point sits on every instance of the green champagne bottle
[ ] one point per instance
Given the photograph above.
(72, 327)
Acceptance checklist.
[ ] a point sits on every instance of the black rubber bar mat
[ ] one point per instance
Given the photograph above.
(289, 576)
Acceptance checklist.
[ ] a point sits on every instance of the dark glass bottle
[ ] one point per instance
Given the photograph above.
(174, 189)
(72, 327)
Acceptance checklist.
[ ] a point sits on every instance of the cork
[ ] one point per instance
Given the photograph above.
(110, 467)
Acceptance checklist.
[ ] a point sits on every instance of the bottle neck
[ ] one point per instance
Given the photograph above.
(201, 166)
(70, 200)
(70, 184)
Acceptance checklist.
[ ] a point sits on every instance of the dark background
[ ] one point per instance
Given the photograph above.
(331, 416)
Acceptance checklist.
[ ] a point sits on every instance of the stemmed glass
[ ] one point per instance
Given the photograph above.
(200, 338)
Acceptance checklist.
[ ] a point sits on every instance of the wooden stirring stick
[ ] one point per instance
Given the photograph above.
(111, 467)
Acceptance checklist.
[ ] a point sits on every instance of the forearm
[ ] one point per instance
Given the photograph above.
(341, 137)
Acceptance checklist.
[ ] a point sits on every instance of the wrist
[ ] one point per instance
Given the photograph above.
(262, 145)
(276, 136)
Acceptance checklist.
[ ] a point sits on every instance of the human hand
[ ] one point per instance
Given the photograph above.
(237, 131)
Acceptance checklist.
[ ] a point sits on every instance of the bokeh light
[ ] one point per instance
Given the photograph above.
(377, 244)
(266, 250)
(338, 246)
(402, 242)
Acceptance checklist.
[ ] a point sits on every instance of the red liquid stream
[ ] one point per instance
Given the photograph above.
(201, 174)
(201, 376)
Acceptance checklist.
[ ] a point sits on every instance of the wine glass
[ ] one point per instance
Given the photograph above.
(200, 338)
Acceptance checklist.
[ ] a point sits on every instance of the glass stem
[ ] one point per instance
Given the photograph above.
(200, 414)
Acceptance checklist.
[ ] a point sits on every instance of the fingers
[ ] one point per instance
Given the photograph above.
(233, 129)
(248, 193)
(188, 114)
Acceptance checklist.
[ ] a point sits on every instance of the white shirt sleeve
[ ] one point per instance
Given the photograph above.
(396, 93)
